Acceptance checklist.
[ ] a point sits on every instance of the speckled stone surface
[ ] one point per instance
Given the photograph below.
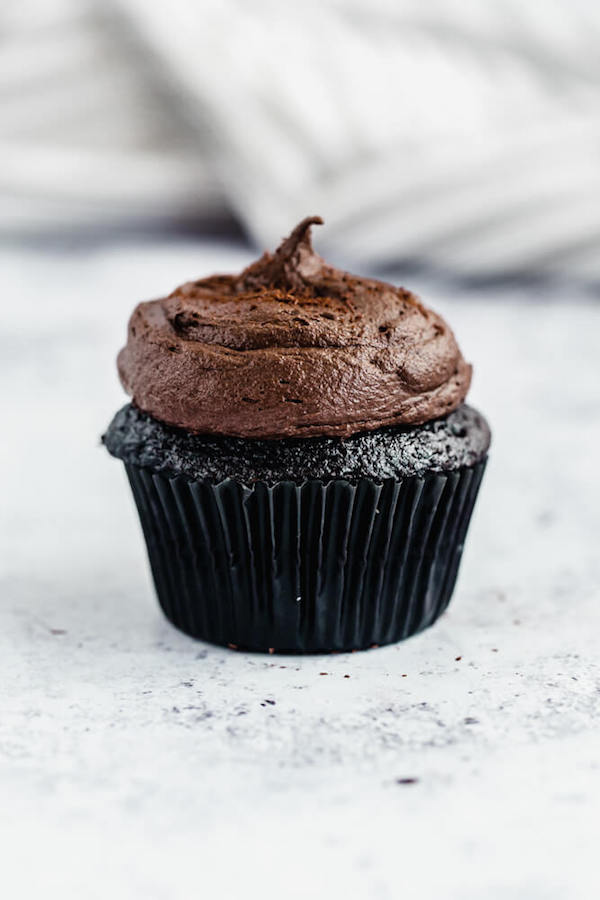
(460, 439)
(138, 763)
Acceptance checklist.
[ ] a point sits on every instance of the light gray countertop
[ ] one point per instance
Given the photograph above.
(136, 762)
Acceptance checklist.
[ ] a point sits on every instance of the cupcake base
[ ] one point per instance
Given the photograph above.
(316, 566)
(459, 439)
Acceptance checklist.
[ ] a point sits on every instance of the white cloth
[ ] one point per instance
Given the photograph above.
(460, 133)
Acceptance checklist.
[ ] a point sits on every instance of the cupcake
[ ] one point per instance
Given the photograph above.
(300, 454)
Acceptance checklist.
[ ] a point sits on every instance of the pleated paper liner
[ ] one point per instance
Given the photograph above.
(305, 568)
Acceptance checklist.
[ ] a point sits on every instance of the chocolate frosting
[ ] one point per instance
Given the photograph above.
(291, 347)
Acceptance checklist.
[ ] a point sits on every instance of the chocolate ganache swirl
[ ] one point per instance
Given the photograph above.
(291, 347)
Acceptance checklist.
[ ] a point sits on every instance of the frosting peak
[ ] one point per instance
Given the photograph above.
(291, 347)
(290, 267)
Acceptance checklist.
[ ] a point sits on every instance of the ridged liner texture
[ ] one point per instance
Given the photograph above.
(305, 568)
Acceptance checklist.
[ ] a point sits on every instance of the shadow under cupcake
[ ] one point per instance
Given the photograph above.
(301, 458)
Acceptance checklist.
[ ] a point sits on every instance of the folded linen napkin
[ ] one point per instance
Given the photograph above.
(461, 134)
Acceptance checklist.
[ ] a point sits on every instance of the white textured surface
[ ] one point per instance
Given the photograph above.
(135, 762)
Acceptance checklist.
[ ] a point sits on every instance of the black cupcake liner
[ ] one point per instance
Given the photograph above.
(305, 568)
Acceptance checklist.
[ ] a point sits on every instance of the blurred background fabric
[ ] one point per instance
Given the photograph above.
(461, 134)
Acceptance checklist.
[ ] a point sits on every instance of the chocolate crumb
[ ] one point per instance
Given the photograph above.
(390, 452)
(407, 780)
(457, 658)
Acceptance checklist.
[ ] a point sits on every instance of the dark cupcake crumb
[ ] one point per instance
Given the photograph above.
(459, 439)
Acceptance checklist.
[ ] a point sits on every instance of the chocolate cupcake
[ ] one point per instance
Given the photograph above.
(300, 454)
